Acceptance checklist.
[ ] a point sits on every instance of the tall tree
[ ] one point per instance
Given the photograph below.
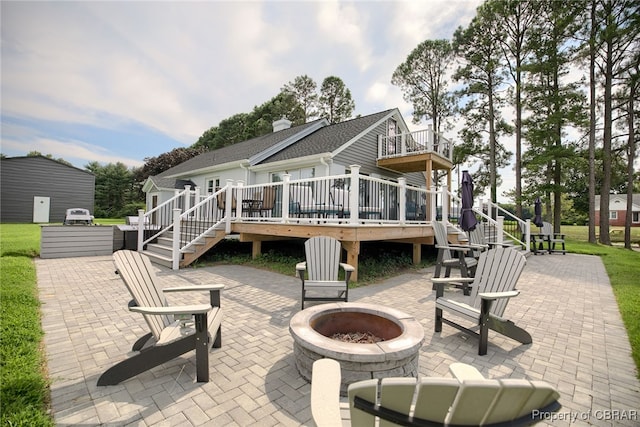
(336, 103)
(115, 192)
(516, 19)
(422, 78)
(303, 89)
(618, 32)
(558, 103)
(483, 76)
(156, 165)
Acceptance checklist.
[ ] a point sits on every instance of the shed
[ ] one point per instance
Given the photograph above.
(39, 189)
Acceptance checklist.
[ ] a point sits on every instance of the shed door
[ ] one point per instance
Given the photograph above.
(41, 209)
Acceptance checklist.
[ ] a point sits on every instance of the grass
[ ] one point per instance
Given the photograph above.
(24, 392)
(23, 385)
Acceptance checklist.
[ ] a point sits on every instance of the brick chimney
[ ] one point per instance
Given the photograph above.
(281, 124)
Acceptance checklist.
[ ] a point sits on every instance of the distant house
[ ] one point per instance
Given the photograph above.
(314, 149)
(38, 189)
(618, 210)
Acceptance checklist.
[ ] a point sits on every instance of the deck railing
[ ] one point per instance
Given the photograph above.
(422, 141)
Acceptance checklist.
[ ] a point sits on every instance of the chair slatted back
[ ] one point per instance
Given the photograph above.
(340, 197)
(323, 258)
(440, 231)
(498, 270)
(450, 401)
(139, 277)
(547, 230)
(268, 198)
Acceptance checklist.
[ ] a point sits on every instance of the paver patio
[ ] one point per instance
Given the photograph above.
(566, 304)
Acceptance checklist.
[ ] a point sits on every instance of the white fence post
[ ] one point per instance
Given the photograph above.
(432, 203)
(140, 230)
(196, 200)
(239, 199)
(175, 265)
(354, 195)
(528, 235)
(402, 199)
(187, 198)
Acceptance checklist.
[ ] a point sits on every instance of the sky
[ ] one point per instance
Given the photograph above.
(121, 81)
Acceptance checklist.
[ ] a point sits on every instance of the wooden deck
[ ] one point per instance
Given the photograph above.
(350, 235)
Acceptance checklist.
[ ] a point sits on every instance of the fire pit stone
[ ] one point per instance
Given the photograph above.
(397, 355)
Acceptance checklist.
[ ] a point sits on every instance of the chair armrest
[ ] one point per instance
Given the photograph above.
(347, 267)
(446, 280)
(498, 295)
(180, 309)
(453, 247)
(464, 372)
(214, 287)
(325, 393)
(301, 266)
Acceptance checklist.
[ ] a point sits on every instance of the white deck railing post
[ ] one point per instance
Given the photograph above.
(140, 230)
(175, 264)
(500, 229)
(528, 235)
(228, 205)
(239, 199)
(286, 192)
(354, 195)
(445, 205)
(187, 198)
(432, 204)
(196, 200)
(402, 199)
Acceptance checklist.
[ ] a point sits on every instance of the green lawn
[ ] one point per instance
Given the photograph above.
(23, 381)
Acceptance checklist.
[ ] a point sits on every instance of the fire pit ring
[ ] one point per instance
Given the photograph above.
(396, 356)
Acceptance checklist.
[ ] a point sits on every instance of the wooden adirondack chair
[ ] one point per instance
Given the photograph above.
(467, 399)
(462, 260)
(494, 283)
(323, 263)
(175, 330)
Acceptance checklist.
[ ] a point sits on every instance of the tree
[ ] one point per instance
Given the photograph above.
(422, 79)
(336, 104)
(115, 192)
(516, 19)
(482, 74)
(557, 102)
(156, 165)
(303, 89)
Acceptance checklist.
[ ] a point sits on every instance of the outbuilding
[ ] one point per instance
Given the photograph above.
(39, 189)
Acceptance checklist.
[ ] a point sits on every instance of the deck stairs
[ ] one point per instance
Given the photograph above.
(160, 252)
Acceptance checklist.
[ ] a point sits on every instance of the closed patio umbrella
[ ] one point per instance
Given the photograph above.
(537, 210)
(468, 221)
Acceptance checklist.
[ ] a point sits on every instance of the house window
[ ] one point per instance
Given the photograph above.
(212, 184)
(635, 217)
(613, 215)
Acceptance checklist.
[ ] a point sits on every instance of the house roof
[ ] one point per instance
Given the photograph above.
(329, 138)
(231, 153)
(298, 141)
(635, 199)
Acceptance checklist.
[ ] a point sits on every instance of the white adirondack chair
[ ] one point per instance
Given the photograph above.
(467, 399)
(551, 238)
(494, 284)
(302, 202)
(175, 330)
(323, 264)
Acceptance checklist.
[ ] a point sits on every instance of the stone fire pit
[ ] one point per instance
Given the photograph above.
(396, 356)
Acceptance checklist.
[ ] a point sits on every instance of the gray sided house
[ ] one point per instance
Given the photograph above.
(314, 149)
(38, 189)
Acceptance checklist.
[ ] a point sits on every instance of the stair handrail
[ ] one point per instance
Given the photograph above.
(164, 216)
(523, 225)
(200, 212)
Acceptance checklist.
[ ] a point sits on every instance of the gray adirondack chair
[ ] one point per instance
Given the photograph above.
(493, 285)
(466, 399)
(323, 264)
(551, 238)
(175, 330)
(453, 256)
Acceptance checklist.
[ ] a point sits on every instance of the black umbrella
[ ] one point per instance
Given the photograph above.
(468, 221)
(537, 219)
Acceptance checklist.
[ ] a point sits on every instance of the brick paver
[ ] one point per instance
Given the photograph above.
(567, 305)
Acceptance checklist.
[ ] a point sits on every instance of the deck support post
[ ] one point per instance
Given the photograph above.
(256, 248)
(417, 253)
(353, 251)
